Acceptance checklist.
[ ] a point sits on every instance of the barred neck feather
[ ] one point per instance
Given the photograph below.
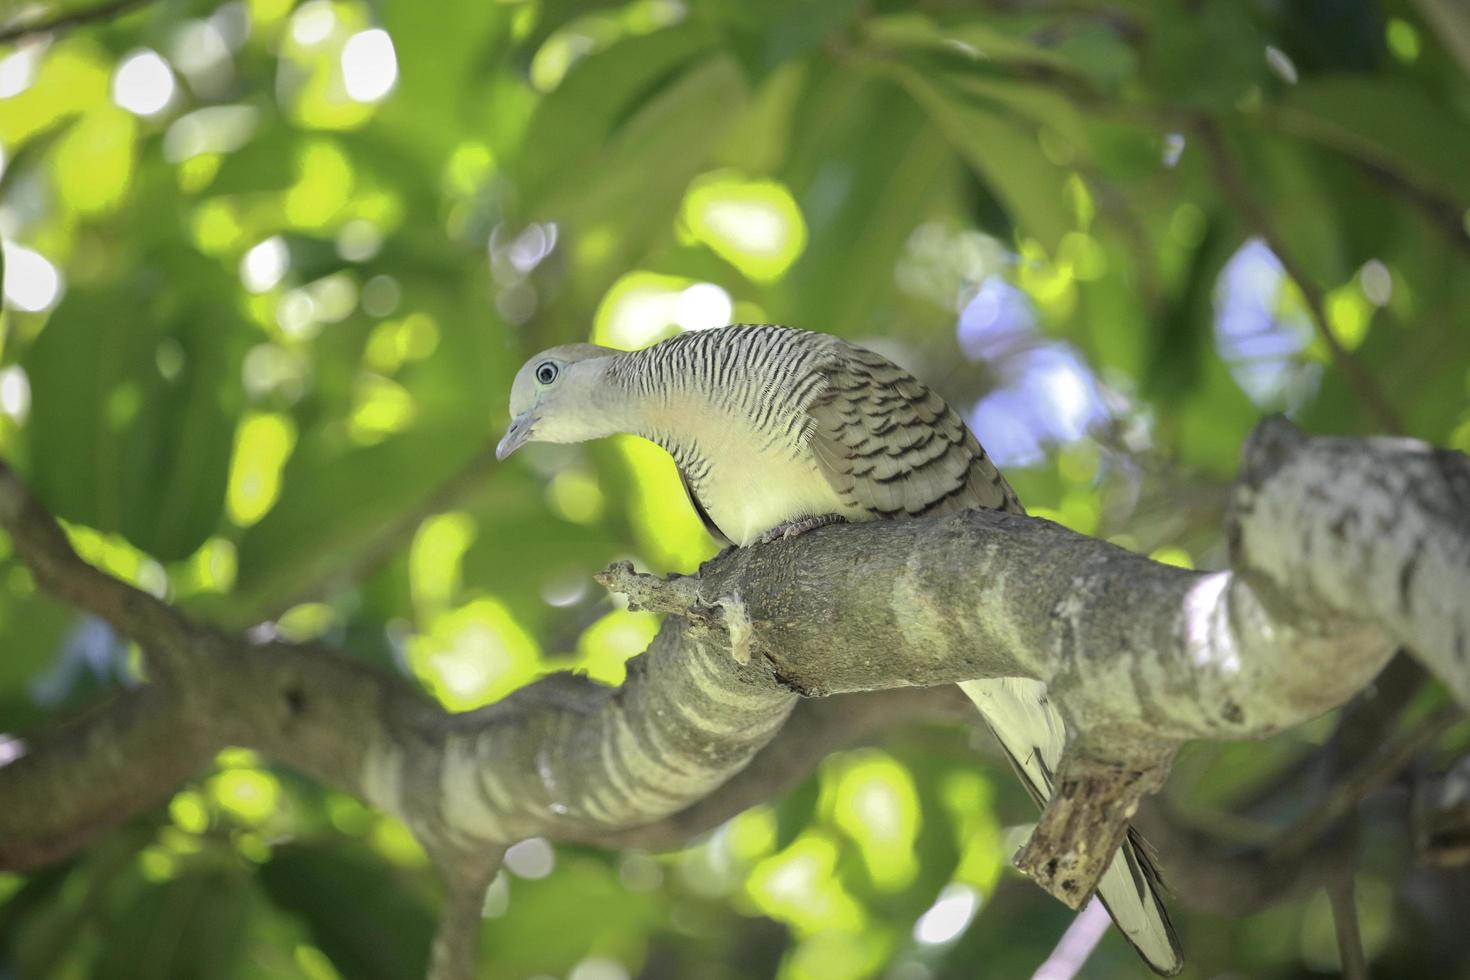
(755, 375)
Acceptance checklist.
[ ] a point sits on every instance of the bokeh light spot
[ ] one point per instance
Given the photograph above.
(94, 161)
(313, 22)
(641, 308)
(369, 65)
(1376, 282)
(1261, 328)
(143, 83)
(18, 70)
(212, 568)
(532, 859)
(306, 621)
(1170, 555)
(323, 187)
(800, 886)
(669, 532)
(947, 918)
(15, 392)
(380, 407)
(263, 267)
(576, 496)
(263, 443)
(189, 812)
(606, 646)
(874, 801)
(32, 283)
(396, 842)
(702, 306)
(755, 225)
(314, 964)
(1403, 40)
(214, 129)
(434, 560)
(249, 795)
(473, 655)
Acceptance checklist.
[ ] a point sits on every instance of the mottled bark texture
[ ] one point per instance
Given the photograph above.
(1342, 550)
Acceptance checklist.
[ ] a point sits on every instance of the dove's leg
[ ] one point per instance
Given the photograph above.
(792, 529)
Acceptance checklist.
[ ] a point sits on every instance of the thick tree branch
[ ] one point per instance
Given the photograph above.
(165, 634)
(815, 729)
(1343, 550)
(457, 939)
(67, 785)
(1374, 533)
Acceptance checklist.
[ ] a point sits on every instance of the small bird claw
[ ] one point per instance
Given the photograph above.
(793, 529)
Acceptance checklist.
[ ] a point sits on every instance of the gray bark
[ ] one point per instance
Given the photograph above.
(1342, 551)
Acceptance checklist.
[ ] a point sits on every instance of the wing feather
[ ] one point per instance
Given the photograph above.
(888, 444)
(1032, 734)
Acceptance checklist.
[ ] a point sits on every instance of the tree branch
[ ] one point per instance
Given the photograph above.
(456, 941)
(72, 18)
(1084, 824)
(1452, 23)
(1345, 921)
(67, 785)
(1343, 550)
(1230, 880)
(166, 636)
(1441, 816)
(1345, 794)
(815, 729)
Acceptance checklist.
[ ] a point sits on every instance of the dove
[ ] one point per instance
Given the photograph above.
(776, 431)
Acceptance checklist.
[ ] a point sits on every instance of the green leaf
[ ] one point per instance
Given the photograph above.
(1036, 102)
(265, 163)
(1047, 43)
(796, 810)
(1387, 123)
(1005, 153)
(844, 281)
(1181, 336)
(445, 61)
(1205, 55)
(191, 928)
(600, 94)
(986, 40)
(330, 497)
(135, 388)
(363, 917)
(766, 34)
(630, 189)
(580, 909)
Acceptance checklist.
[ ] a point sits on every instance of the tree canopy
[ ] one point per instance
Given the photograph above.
(270, 267)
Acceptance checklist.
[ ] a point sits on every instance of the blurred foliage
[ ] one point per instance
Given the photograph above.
(271, 266)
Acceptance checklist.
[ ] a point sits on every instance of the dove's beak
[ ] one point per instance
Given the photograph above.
(517, 435)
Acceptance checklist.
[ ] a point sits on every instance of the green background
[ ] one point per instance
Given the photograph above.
(263, 314)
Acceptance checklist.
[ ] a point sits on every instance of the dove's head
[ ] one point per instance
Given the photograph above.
(559, 396)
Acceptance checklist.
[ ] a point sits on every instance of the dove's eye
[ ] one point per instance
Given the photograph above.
(546, 372)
